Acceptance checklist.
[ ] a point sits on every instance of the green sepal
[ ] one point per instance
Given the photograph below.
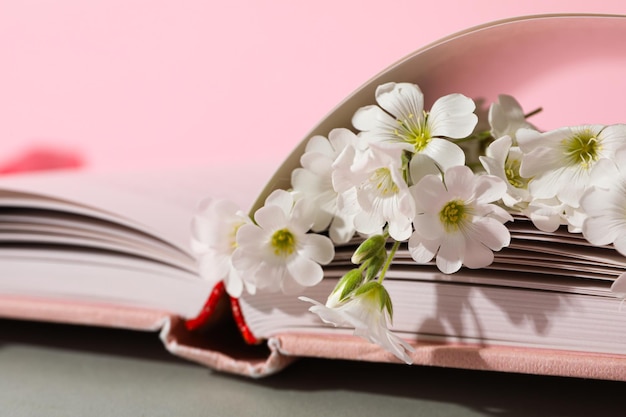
(372, 247)
(376, 290)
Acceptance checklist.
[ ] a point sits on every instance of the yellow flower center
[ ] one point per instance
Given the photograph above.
(511, 170)
(283, 242)
(414, 130)
(452, 215)
(382, 181)
(582, 149)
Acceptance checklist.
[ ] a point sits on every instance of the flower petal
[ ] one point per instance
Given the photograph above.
(445, 153)
(400, 228)
(340, 138)
(251, 238)
(302, 216)
(460, 182)
(451, 254)
(233, 283)
(429, 194)
(282, 199)
(612, 137)
(422, 165)
(600, 232)
(369, 222)
(214, 268)
(401, 99)
(545, 217)
(317, 247)
(599, 201)
(304, 271)
(477, 256)
(488, 188)
(268, 277)
(341, 229)
(529, 139)
(270, 217)
(428, 225)
(370, 118)
(548, 185)
(620, 243)
(422, 250)
(452, 116)
(499, 148)
(318, 144)
(506, 116)
(491, 233)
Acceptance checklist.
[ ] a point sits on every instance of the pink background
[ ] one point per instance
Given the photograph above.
(155, 83)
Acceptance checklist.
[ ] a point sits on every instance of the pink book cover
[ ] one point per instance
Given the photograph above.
(557, 62)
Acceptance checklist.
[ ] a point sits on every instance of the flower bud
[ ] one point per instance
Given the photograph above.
(374, 265)
(346, 285)
(376, 292)
(372, 247)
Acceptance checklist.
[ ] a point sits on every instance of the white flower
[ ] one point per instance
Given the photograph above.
(548, 214)
(376, 193)
(314, 181)
(213, 239)
(402, 121)
(277, 253)
(506, 117)
(503, 160)
(605, 204)
(368, 311)
(457, 222)
(560, 161)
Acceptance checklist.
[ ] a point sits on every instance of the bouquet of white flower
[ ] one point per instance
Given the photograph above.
(403, 177)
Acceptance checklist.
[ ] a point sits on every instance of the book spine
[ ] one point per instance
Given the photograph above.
(247, 334)
(207, 310)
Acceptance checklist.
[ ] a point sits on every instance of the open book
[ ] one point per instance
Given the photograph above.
(116, 250)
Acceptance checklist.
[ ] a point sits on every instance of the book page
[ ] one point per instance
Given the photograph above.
(85, 275)
(117, 238)
(159, 203)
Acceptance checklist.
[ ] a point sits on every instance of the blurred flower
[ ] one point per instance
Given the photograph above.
(214, 229)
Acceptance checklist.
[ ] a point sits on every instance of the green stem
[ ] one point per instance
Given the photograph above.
(534, 112)
(390, 257)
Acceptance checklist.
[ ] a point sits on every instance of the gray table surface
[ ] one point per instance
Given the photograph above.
(61, 370)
